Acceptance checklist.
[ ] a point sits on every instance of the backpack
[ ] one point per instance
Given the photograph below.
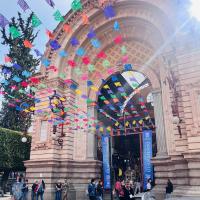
(91, 190)
(40, 189)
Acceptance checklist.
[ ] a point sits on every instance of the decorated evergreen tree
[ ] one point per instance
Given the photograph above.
(22, 64)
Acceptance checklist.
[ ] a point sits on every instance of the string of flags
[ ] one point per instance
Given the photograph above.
(35, 84)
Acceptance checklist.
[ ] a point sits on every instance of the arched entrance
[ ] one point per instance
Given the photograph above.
(126, 110)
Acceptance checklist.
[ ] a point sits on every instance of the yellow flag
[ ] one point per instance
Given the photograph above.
(94, 88)
(117, 84)
(78, 92)
(106, 86)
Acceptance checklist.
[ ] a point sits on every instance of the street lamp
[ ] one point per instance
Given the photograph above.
(56, 105)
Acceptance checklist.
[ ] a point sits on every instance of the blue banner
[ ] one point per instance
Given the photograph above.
(106, 164)
(147, 156)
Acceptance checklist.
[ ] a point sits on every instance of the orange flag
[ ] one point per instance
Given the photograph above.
(67, 28)
(28, 44)
(85, 19)
(50, 34)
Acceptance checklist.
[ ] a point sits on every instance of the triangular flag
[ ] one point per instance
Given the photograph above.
(67, 28)
(58, 17)
(116, 26)
(76, 5)
(27, 44)
(14, 32)
(85, 19)
(35, 21)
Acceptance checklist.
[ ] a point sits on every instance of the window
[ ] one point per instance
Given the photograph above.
(43, 131)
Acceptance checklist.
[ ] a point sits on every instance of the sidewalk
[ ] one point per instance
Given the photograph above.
(6, 197)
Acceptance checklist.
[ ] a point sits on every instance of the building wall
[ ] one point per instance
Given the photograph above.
(147, 28)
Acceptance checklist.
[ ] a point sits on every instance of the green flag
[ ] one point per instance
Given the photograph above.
(106, 63)
(76, 5)
(123, 50)
(35, 21)
(58, 17)
(91, 68)
(14, 32)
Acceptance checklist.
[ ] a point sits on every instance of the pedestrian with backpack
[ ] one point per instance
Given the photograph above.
(92, 190)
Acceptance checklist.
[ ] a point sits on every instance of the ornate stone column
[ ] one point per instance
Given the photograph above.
(91, 137)
(160, 125)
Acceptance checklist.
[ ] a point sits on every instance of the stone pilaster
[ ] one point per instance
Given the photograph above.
(91, 137)
(159, 122)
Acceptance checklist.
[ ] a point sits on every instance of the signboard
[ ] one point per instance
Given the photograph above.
(147, 155)
(106, 164)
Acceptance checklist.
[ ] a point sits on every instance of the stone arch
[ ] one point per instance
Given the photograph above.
(144, 12)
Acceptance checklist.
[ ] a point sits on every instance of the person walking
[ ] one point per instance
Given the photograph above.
(128, 192)
(17, 189)
(149, 186)
(119, 190)
(34, 190)
(40, 190)
(92, 190)
(25, 190)
(65, 188)
(99, 191)
(59, 190)
(169, 189)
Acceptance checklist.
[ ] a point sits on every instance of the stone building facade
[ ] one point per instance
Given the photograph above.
(158, 45)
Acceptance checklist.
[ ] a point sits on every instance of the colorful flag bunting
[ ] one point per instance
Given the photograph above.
(85, 19)
(91, 34)
(3, 21)
(7, 59)
(123, 50)
(51, 3)
(54, 44)
(91, 68)
(67, 28)
(116, 26)
(109, 12)
(27, 44)
(63, 53)
(16, 66)
(118, 39)
(74, 41)
(80, 51)
(58, 17)
(49, 34)
(101, 54)
(22, 3)
(86, 60)
(96, 43)
(35, 21)
(14, 32)
(38, 53)
(76, 5)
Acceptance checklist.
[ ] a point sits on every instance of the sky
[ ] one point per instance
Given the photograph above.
(9, 8)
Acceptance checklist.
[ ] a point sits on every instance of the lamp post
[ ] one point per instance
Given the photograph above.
(57, 107)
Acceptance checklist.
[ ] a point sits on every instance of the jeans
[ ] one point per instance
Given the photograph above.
(99, 198)
(168, 196)
(58, 195)
(41, 196)
(25, 196)
(33, 195)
